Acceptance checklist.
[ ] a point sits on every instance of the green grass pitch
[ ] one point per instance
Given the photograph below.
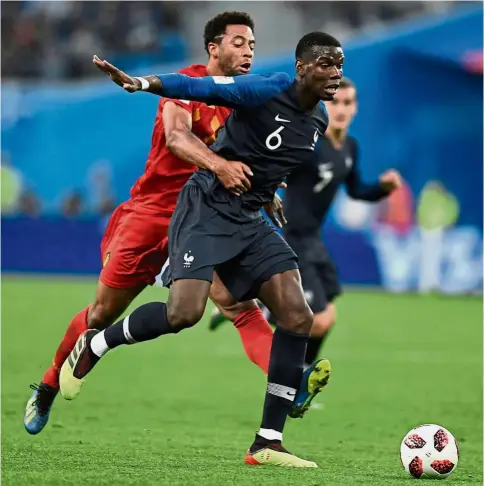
(182, 410)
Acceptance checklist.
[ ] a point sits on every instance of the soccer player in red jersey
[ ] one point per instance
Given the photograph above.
(135, 244)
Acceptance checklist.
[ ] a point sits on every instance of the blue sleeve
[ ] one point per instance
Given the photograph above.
(357, 188)
(233, 92)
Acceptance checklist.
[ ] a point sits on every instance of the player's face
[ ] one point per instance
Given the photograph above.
(235, 52)
(342, 108)
(322, 71)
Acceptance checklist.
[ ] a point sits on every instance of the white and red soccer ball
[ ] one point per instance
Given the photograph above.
(429, 451)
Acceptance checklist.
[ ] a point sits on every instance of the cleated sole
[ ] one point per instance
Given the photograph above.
(317, 380)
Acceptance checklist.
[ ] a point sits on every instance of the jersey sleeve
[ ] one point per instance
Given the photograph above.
(356, 187)
(249, 90)
(185, 104)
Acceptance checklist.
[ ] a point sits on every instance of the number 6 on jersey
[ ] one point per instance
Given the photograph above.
(274, 140)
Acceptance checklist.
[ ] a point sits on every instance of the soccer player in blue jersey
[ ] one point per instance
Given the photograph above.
(307, 201)
(275, 128)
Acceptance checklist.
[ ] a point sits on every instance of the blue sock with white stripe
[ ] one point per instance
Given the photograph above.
(145, 323)
(285, 371)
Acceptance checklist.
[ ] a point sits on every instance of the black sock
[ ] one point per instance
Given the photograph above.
(285, 371)
(147, 322)
(314, 345)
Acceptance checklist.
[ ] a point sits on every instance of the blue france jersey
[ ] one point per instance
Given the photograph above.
(311, 189)
(268, 130)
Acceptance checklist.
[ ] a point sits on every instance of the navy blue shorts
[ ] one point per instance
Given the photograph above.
(319, 276)
(203, 239)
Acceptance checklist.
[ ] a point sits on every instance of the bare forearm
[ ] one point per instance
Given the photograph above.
(188, 147)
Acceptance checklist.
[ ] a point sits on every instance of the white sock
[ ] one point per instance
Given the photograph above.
(98, 344)
(270, 434)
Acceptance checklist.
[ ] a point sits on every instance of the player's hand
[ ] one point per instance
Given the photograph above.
(391, 180)
(119, 77)
(275, 212)
(233, 176)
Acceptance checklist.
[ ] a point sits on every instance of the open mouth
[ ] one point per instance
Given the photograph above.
(245, 68)
(332, 88)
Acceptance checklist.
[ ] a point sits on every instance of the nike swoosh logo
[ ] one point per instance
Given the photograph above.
(289, 394)
(279, 119)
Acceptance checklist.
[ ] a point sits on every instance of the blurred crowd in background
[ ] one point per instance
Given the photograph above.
(73, 144)
(56, 40)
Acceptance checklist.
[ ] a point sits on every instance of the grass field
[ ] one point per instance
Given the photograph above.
(182, 410)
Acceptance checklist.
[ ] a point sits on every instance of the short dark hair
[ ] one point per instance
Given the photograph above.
(346, 83)
(217, 26)
(312, 39)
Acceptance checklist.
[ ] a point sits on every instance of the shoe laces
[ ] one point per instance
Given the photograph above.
(44, 399)
(278, 447)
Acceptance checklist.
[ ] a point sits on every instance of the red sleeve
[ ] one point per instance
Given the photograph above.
(185, 104)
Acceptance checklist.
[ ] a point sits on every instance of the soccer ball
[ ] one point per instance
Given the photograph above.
(429, 451)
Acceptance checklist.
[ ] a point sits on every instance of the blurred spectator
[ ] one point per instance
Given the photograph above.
(106, 206)
(11, 187)
(100, 189)
(56, 39)
(49, 39)
(73, 205)
(29, 204)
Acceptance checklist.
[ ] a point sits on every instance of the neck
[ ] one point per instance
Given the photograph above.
(336, 136)
(307, 99)
(213, 68)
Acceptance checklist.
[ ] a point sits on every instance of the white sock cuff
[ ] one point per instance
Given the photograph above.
(127, 334)
(98, 344)
(270, 434)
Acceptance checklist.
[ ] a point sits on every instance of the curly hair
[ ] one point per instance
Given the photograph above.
(215, 28)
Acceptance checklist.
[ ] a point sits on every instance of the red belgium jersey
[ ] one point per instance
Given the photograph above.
(165, 174)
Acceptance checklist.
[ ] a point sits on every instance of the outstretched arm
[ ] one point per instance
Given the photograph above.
(359, 189)
(248, 90)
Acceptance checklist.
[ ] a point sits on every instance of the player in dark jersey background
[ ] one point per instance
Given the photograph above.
(307, 200)
(274, 129)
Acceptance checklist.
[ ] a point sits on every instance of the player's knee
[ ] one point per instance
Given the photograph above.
(298, 320)
(184, 316)
(101, 315)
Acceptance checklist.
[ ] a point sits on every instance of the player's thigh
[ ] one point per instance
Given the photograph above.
(200, 238)
(265, 254)
(313, 286)
(225, 302)
(187, 301)
(323, 305)
(109, 303)
(133, 250)
(328, 274)
(283, 295)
